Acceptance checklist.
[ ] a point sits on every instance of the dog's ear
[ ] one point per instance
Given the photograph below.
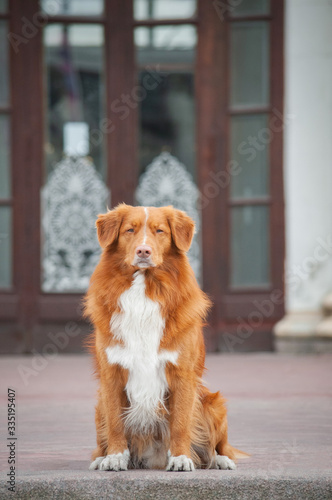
(182, 229)
(108, 225)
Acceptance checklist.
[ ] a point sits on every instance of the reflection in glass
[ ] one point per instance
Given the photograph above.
(4, 87)
(249, 246)
(164, 9)
(73, 7)
(249, 47)
(5, 247)
(166, 44)
(167, 113)
(167, 119)
(74, 192)
(5, 190)
(75, 91)
(166, 59)
(250, 139)
(250, 8)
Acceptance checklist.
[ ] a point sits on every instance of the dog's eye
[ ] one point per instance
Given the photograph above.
(130, 230)
(159, 231)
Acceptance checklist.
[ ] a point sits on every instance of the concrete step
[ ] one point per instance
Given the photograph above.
(198, 485)
(279, 411)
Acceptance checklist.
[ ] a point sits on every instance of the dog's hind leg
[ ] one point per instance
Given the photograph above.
(214, 413)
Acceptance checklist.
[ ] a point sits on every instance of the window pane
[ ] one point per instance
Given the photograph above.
(73, 7)
(249, 246)
(3, 6)
(249, 64)
(166, 45)
(164, 9)
(4, 157)
(250, 139)
(74, 61)
(166, 60)
(74, 191)
(167, 113)
(5, 247)
(250, 8)
(167, 118)
(4, 87)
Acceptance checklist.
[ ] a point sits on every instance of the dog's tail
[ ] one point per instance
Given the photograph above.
(234, 452)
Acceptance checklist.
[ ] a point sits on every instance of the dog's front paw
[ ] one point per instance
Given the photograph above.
(115, 462)
(224, 463)
(181, 463)
(95, 464)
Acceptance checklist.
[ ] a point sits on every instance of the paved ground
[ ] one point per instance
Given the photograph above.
(280, 411)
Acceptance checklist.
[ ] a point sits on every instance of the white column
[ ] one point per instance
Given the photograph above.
(307, 169)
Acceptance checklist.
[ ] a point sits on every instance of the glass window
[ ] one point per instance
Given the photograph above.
(166, 44)
(249, 47)
(73, 7)
(167, 156)
(74, 58)
(3, 6)
(74, 191)
(4, 87)
(250, 143)
(5, 247)
(249, 246)
(164, 9)
(5, 190)
(250, 8)
(167, 113)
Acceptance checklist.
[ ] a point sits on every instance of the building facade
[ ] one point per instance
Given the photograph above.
(158, 102)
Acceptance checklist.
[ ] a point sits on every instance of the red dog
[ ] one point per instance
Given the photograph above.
(153, 410)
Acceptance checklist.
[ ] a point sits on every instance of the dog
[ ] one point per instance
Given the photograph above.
(148, 311)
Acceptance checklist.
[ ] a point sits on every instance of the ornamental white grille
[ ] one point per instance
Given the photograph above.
(71, 200)
(166, 181)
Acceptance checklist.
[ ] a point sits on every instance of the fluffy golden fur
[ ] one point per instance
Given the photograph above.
(194, 422)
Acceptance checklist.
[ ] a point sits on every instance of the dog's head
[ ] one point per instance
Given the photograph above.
(143, 236)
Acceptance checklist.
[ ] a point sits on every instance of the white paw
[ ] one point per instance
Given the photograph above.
(224, 463)
(95, 464)
(114, 462)
(181, 463)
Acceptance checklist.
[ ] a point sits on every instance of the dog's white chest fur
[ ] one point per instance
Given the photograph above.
(140, 326)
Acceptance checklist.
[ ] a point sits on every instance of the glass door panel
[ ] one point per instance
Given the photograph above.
(5, 178)
(161, 9)
(250, 150)
(73, 7)
(74, 191)
(250, 138)
(6, 247)
(249, 246)
(74, 59)
(250, 8)
(165, 58)
(4, 80)
(249, 49)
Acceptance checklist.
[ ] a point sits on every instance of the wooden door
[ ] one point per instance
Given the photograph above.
(146, 85)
